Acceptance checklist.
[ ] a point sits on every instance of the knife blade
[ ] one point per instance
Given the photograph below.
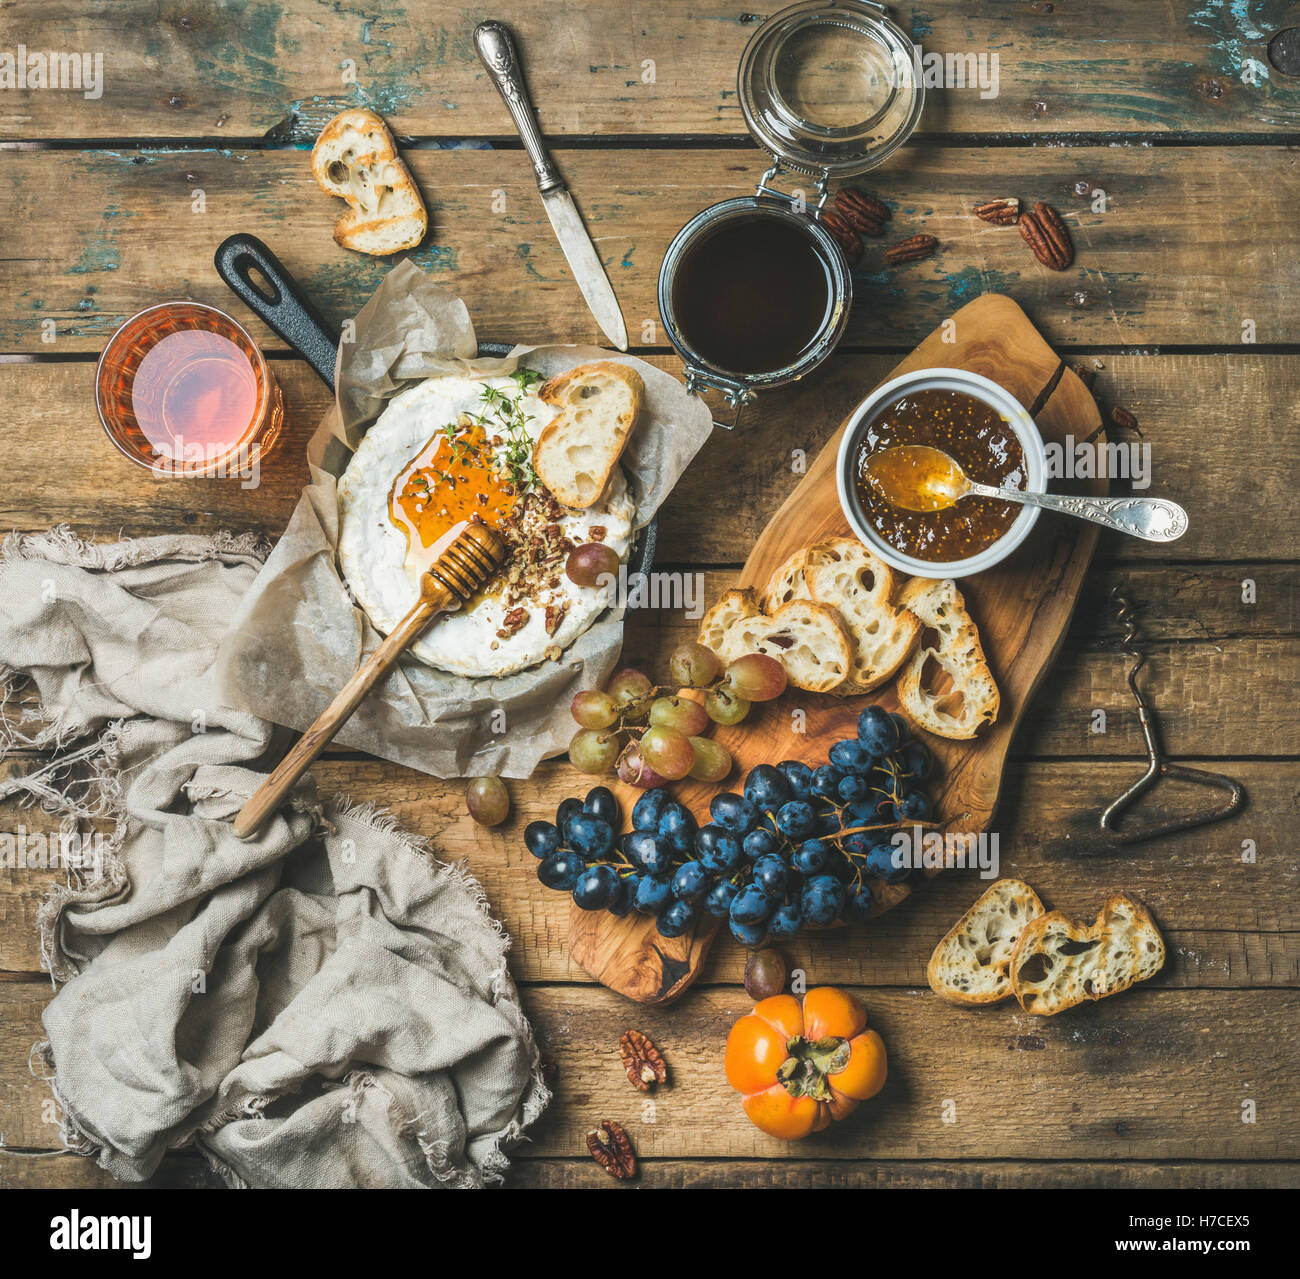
(586, 266)
(496, 48)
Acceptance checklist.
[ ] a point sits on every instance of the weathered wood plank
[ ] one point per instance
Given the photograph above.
(1189, 249)
(1147, 1075)
(1154, 1073)
(188, 1171)
(1228, 923)
(247, 69)
(75, 1172)
(528, 1173)
(1185, 405)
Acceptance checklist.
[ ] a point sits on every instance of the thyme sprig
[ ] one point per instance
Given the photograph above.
(503, 415)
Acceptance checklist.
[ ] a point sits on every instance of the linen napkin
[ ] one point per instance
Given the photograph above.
(324, 1006)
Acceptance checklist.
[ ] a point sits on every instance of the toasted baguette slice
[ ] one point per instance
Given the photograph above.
(578, 449)
(844, 575)
(808, 639)
(973, 699)
(733, 606)
(356, 159)
(786, 584)
(1123, 946)
(972, 964)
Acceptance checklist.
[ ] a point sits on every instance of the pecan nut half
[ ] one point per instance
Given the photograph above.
(842, 233)
(863, 212)
(1045, 233)
(611, 1148)
(643, 1062)
(1124, 419)
(912, 249)
(1004, 212)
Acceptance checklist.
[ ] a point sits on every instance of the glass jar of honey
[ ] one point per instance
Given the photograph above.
(754, 292)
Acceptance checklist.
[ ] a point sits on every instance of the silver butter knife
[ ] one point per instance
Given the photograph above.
(497, 49)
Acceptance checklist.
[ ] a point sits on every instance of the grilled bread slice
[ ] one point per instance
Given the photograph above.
(356, 159)
(808, 639)
(787, 583)
(1057, 964)
(972, 964)
(844, 575)
(578, 449)
(972, 700)
(733, 606)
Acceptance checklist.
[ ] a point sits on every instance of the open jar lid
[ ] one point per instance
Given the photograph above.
(830, 88)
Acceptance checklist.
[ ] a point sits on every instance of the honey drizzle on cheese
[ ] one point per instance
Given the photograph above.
(450, 481)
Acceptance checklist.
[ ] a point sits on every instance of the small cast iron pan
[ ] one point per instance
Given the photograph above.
(275, 298)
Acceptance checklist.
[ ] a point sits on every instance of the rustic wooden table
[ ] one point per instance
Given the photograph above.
(1181, 300)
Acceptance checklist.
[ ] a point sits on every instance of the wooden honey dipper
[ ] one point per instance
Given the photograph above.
(453, 578)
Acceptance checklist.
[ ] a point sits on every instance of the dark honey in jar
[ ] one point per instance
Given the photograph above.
(752, 295)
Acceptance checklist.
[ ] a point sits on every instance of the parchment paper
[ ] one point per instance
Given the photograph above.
(298, 636)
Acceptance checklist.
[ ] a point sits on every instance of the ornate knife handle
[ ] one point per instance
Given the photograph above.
(1151, 518)
(496, 48)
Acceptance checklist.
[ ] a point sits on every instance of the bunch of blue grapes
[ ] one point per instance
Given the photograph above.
(797, 849)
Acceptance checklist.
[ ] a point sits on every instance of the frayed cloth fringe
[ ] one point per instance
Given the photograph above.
(99, 795)
(60, 545)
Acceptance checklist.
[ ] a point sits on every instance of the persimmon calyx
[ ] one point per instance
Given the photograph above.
(804, 1073)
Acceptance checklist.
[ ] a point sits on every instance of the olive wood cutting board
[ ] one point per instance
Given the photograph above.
(1022, 608)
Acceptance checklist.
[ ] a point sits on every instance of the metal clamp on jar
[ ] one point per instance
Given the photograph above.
(754, 292)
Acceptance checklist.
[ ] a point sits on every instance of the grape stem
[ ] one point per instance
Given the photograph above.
(861, 830)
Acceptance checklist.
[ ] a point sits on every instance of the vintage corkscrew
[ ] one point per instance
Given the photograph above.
(1157, 765)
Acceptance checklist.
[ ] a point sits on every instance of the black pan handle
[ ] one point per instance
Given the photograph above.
(278, 300)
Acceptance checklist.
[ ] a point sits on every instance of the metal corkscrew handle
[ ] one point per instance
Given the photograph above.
(496, 48)
(1155, 519)
(1157, 765)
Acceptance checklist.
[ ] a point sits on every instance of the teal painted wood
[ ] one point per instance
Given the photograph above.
(278, 68)
(1180, 245)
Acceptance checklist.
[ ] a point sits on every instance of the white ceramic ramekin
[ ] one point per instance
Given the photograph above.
(997, 398)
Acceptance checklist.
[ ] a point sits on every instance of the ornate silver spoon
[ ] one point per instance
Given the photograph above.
(917, 477)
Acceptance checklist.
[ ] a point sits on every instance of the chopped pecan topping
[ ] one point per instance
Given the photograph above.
(611, 1148)
(513, 622)
(642, 1061)
(597, 532)
(554, 616)
(538, 550)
